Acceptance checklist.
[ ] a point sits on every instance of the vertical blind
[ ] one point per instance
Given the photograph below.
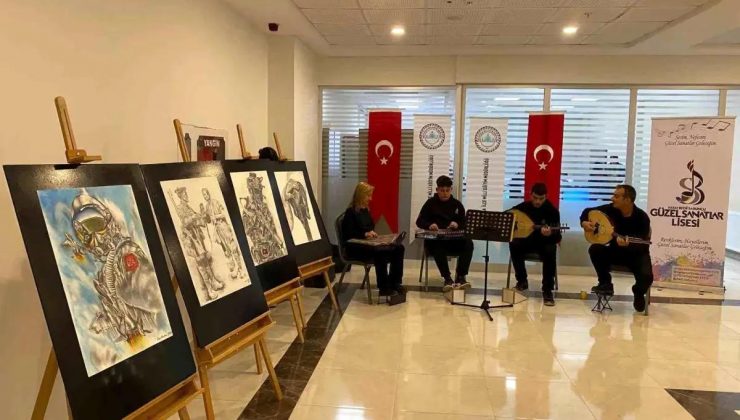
(664, 103)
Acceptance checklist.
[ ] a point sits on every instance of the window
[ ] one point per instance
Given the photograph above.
(514, 104)
(664, 103)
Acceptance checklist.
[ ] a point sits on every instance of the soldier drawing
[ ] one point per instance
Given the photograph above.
(214, 212)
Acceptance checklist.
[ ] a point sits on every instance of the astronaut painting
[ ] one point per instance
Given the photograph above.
(297, 205)
(259, 216)
(105, 266)
(206, 236)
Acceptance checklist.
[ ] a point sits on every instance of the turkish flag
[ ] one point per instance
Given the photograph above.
(384, 164)
(544, 154)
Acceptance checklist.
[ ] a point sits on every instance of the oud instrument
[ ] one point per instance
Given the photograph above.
(524, 226)
(604, 230)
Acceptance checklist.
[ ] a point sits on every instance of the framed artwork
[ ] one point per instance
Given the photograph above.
(297, 203)
(265, 227)
(206, 237)
(197, 214)
(209, 143)
(103, 284)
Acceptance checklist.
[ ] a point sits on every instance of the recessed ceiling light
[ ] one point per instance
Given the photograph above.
(506, 98)
(398, 31)
(570, 30)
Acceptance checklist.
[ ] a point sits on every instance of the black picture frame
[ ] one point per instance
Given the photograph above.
(216, 319)
(273, 273)
(311, 251)
(126, 386)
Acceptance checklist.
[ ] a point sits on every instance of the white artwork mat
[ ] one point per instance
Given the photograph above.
(206, 237)
(259, 216)
(297, 206)
(106, 271)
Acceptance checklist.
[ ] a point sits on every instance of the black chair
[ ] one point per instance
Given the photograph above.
(348, 262)
(532, 257)
(424, 269)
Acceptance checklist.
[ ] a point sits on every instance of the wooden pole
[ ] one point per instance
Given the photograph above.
(281, 156)
(181, 141)
(47, 384)
(72, 153)
(245, 153)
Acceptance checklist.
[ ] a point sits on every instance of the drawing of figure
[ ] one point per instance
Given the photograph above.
(295, 196)
(194, 243)
(124, 314)
(214, 213)
(259, 224)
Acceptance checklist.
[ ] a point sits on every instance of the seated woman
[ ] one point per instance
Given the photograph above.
(358, 224)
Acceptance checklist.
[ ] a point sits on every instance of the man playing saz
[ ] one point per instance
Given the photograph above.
(628, 245)
(543, 241)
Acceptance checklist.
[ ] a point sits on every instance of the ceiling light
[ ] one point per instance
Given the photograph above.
(584, 99)
(505, 98)
(398, 31)
(570, 30)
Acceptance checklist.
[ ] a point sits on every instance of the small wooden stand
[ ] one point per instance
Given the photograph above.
(290, 291)
(281, 156)
(174, 400)
(245, 154)
(321, 266)
(249, 334)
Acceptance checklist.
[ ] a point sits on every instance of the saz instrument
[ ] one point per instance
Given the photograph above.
(604, 230)
(524, 226)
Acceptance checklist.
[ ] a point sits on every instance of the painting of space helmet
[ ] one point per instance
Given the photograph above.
(206, 235)
(259, 216)
(105, 265)
(298, 208)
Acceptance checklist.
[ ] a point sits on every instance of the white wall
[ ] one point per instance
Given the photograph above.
(447, 70)
(307, 143)
(281, 92)
(127, 68)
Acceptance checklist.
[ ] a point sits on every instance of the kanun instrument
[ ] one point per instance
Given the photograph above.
(604, 230)
(381, 240)
(440, 234)
(524, 226)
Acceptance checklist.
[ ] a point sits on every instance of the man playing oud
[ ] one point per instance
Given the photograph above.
(542, 241)
(631, 224)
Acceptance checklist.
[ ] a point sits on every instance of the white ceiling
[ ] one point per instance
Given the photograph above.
(437, 27)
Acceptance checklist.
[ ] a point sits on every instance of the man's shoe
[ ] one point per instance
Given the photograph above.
(639, 302)
(521, 286)
(461, 283)
(387, 292)
(603, 289)
(449, 284)
(548, 298)
(400, 289)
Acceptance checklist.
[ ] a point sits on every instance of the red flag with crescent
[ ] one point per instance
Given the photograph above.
(384, 164)
(544, 154)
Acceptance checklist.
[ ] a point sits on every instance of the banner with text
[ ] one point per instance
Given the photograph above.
(485, 161)
(688, 196)
(432, 158)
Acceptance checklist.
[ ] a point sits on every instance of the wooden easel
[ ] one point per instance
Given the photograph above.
(249, 334)
(322, 267)
(290, 291)
(245, 154)
(174, 400)
(314, 268)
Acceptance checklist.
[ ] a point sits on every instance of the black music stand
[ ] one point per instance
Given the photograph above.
(489, 226)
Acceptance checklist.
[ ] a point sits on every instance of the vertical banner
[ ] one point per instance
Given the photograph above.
(432, 158)
(688, 197)
(384, 164)
(544, 153)
(485, 160)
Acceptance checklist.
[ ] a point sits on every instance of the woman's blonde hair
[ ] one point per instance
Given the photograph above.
(362, 191)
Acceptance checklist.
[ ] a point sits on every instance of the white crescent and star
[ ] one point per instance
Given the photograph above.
(548, 149)
(378, 145)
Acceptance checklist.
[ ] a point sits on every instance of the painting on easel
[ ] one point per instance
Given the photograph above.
(105, 266)
(259, 216)
(210, 143)
(206, 237)
(298, 209)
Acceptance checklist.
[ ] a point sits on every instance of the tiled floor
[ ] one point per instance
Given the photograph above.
(426, 359)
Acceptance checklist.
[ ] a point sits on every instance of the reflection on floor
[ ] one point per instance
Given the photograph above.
(426, 359)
